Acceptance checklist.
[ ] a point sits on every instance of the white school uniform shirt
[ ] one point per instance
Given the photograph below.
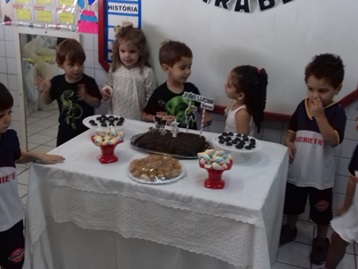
(314, 164)
(11, 207)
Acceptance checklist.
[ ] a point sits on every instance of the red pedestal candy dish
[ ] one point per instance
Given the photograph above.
(215, 162)
(107, 140)
(107, 155)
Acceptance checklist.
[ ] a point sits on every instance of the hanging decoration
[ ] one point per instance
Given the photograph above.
(88, 20)
(244, 5)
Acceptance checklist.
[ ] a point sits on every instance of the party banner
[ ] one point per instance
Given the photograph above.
(244, 5)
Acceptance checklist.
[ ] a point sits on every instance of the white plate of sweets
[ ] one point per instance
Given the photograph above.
(237, 142)
(104, 121)
(156, 169)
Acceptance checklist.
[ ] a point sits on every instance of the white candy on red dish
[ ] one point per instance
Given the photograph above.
(108, 136)
(215, 159)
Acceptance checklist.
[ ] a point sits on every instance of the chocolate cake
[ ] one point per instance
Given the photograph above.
(185, 144)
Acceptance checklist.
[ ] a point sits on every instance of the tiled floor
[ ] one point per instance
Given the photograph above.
(42, 130)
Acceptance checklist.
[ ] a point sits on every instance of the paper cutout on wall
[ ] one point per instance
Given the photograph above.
(67, 3)
(81, 4)
(22, 1)
(43, 2)
(44, 16)
(88, 22)
(23, 13)
(66, 17)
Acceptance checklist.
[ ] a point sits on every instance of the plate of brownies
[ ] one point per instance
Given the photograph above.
(237, 142)
(104, 121)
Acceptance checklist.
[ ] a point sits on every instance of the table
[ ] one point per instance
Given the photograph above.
(84, 214)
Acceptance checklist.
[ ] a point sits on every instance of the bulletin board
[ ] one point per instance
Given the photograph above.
(113, 13)
(58, 13)
(72, 15)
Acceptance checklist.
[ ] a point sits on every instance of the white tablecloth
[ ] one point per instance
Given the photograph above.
(100, 210)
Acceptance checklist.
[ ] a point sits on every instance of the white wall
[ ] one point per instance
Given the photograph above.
(282, 40)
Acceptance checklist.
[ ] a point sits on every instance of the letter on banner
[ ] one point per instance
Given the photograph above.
(222, 3)
(266, 4)
(243, 6)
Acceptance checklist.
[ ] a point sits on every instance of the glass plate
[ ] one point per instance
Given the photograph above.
(158, 181)
(135, 137)
(232, 148)
(86, 122)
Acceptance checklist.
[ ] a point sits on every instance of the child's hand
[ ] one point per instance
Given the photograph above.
(42, 84)
(169, 119)
(81, 92)
(161, 114)
(106, 92)
(49, 158)
(316, 108)
(292, 151)
(207, 119)
(164, 116)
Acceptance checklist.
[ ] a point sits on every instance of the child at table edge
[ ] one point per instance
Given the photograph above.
(321, 121)
(12, 240)
(246, 86)
(175, 59)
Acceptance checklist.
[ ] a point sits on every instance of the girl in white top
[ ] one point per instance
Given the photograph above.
(345, 224)
(131, 80)
(246, 86)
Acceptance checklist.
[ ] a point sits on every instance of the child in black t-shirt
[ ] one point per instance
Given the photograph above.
(76, 93)
(167, 100)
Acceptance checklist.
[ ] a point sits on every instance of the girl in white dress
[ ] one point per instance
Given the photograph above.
(131, 80)
(345, 225)
(246, 86)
